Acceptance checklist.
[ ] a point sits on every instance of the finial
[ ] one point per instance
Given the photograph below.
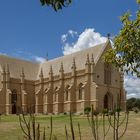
(22, 72)
(7, 68)
(51, 70)
(47, 56)
(3, 69)
(87, 61)
(61, 68)
(92, 58)
(41, 73)
(73, 63)
(108, 36)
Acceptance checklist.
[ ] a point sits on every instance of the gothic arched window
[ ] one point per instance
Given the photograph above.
(107, 73)
(14, 101)
(67, 93)
(14, 96)
(55, 94)
(106, 102)
(81, 92)
(45, 95)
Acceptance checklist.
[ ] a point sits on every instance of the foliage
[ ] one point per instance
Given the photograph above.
(133, 102)
(136, 110)
(126, 51)
(138, 1)
(87, 110)
(56, 4)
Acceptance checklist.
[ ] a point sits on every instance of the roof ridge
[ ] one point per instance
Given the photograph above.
(73, 53)
(18, 59)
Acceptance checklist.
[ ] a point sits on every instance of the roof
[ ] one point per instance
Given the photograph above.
(80, 60)
(32, 70)
(16, 65)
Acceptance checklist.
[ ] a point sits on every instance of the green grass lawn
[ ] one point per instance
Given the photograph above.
(10, 128)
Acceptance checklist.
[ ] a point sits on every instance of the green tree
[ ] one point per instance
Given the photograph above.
(131, 103)
(56, 4)
(126, 51)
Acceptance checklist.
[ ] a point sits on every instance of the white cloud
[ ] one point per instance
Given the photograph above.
(39, 59)
(72, 33)
(64, 37)
(88, 38)
(132, 86)
(131, 95)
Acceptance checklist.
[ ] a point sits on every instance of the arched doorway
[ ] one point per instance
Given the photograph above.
(14, 101)
(106, 102)
(14, 109)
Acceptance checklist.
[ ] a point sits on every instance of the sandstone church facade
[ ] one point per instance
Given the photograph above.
(68, 83)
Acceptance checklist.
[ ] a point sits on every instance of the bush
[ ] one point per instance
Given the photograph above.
(65, 113)
(105, 111)
(87, 110)
(135, 109)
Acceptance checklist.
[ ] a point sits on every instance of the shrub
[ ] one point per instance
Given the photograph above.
(135, 109)
(105, 111)
(87, 110)
(65, 113)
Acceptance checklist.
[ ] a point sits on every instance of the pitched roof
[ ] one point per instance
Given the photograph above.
(32, 70)
(16, 65)
(80, 60)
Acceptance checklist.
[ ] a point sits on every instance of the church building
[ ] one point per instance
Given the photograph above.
(68, 83)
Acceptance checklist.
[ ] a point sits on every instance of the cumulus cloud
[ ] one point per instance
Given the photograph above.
(132, 86)
(72, 33)
(64, 37)
(88, 38)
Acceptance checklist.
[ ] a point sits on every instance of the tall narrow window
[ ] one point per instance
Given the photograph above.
(55, 94)
(106, 102)
(107, 73)
(67, 93)
(14, 97)
(80, 91)
(14, 101)
(54, 97)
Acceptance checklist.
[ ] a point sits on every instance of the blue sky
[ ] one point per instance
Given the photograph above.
(30, 31)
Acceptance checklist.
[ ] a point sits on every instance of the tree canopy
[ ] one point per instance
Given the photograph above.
(126, 51)
(56, 4)
(133, 102)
